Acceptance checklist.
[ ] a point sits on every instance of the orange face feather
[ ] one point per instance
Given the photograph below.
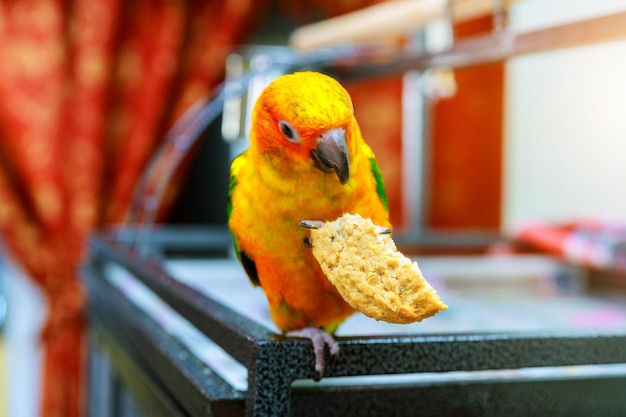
(309, 102)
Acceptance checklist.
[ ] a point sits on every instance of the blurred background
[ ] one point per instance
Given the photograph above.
(522, 151)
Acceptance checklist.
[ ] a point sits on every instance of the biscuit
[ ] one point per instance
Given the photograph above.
(371, 274)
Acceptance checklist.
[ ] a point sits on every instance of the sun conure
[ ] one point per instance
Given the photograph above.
(306, 160)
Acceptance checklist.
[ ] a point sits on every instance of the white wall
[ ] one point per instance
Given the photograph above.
(565, 122)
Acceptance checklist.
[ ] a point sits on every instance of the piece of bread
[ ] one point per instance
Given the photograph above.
(369, 272)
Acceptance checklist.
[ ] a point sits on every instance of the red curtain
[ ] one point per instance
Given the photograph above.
(87, 90)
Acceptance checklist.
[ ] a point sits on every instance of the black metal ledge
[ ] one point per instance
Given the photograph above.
(135, 341)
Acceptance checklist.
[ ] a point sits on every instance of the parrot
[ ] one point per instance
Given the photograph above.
(306, 159)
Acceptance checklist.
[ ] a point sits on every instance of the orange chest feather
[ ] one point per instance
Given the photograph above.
(267, 210)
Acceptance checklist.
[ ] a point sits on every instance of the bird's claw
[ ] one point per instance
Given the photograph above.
(317, 224)
(311, 224)
(320, 340)
(383, 230)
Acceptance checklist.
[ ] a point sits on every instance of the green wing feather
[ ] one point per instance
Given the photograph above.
(232, 183)
(380, 187)
(244, 258)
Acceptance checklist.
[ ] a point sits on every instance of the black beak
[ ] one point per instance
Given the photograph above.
(331, 154)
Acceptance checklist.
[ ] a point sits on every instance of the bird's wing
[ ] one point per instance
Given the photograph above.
(247, 262)
(380, 187)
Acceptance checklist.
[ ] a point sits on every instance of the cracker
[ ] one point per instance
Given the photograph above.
(371, 274)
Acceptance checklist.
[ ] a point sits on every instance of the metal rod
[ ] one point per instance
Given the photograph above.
(495, 47)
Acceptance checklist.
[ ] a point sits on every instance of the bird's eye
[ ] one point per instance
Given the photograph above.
(288, 131)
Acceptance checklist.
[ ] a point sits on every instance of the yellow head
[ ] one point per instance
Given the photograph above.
(307, 118)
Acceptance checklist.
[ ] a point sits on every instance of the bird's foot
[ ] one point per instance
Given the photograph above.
(320, 340)
(311, 224)
(316, 224)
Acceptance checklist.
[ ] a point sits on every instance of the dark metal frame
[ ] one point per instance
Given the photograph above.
(137, 366)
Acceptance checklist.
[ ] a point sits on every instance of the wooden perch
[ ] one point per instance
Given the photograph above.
(386, 20)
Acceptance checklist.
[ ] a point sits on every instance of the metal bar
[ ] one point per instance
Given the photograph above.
(407, 354)
(473, 352)
(495, 47)
(158, 241)
(100, 392)
(233, 332)
(596, 397)
(139, 394)
(183, 237)
(191, 382)
(416, 109)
